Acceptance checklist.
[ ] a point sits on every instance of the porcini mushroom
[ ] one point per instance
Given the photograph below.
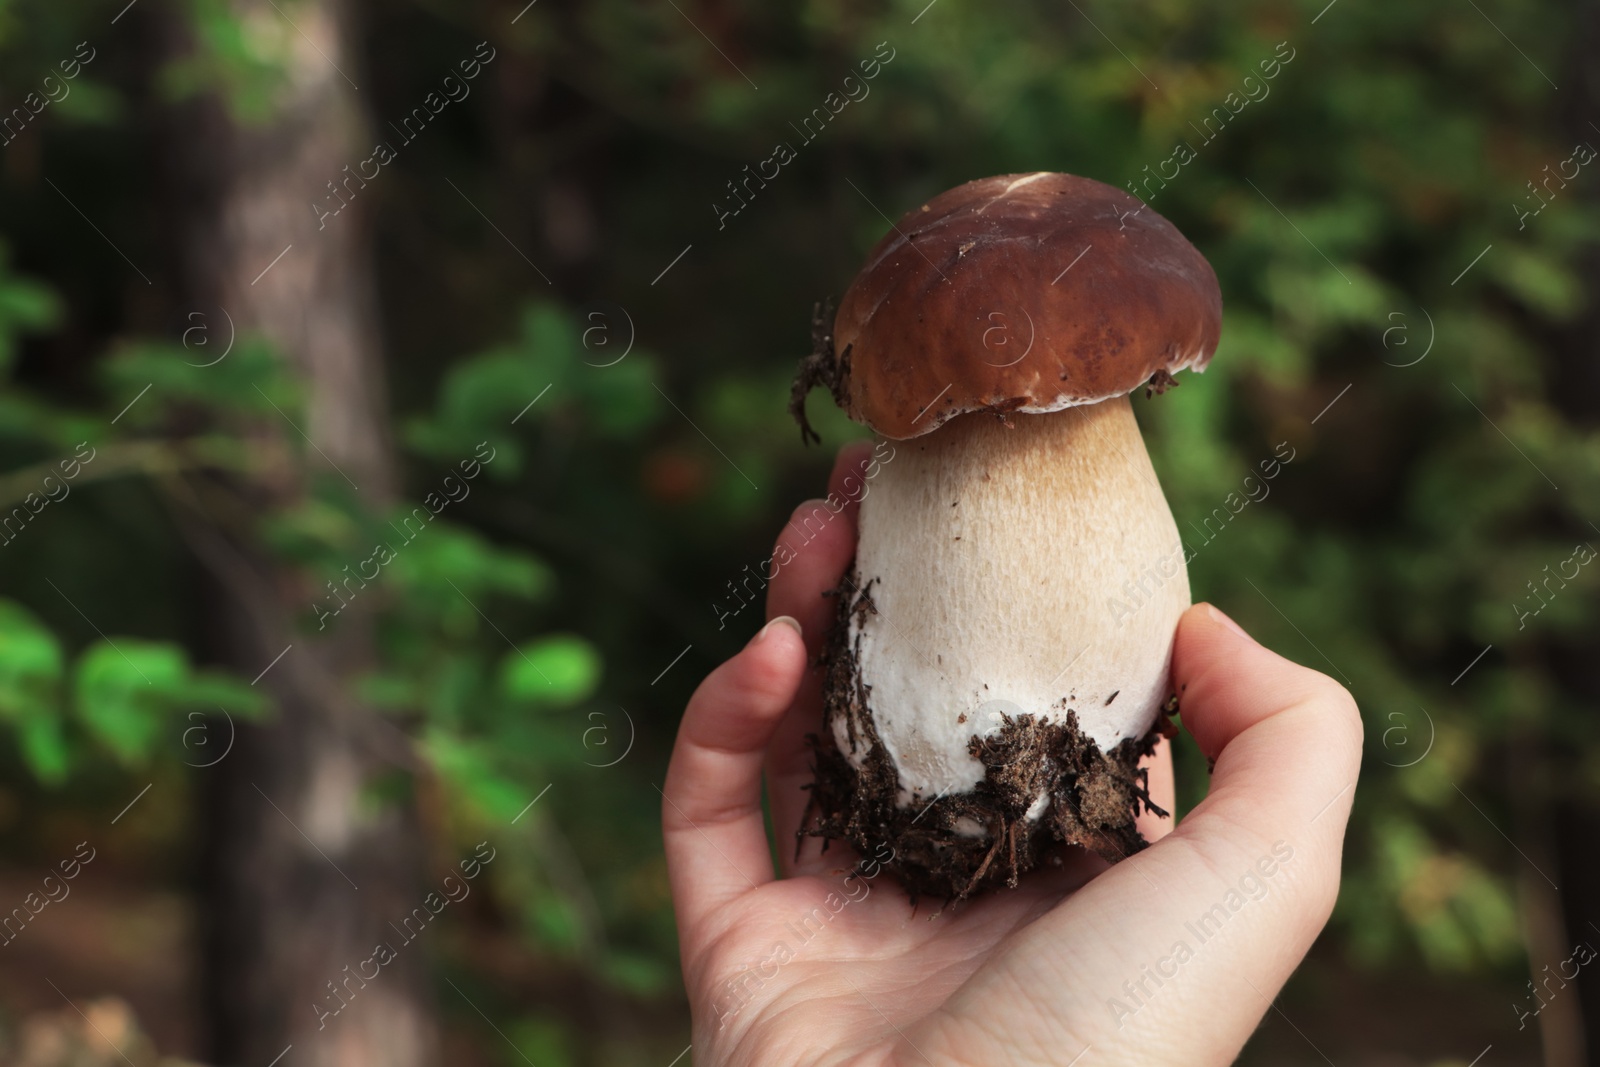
(1001, 655)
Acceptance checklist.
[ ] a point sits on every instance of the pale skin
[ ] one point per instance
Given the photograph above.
(1081, 964)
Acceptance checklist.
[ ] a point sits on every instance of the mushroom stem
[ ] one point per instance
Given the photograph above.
(1030, 567)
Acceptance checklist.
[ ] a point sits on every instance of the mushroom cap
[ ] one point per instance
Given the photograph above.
(1026, 293)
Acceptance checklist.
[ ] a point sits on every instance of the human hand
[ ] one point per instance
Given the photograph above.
(1170, 957)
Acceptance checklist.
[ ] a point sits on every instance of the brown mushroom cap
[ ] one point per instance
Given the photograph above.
(1027, 293)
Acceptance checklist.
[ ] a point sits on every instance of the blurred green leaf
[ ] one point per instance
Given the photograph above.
(125, 693)
(470, 767)
(45, 749)
(553, 670)
(31, 665)
(121, 692)
(25, 306)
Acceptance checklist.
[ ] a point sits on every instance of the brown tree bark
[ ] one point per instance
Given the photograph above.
(305, 868)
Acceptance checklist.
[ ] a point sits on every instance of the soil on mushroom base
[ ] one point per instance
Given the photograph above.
(1093, 796)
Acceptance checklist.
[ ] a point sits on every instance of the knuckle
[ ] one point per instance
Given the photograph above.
(1337, 707)
(1348, 715)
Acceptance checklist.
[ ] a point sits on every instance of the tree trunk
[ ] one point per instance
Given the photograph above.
(304, 869)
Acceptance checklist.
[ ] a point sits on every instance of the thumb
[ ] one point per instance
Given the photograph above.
(1285, 742)
(1202, 928)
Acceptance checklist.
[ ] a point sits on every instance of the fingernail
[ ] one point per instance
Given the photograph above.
(1218, 616)
(781, 620)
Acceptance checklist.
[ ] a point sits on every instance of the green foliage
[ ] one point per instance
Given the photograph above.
(209, 371)
(450, 569)
(25, 306)
(32, 666)
(551, 365)
(540, 1039)
(1341, 212)
(243, 61)
(472, 768)
(126, 694)
(123, 696)
(555, 671)
(1462, 917)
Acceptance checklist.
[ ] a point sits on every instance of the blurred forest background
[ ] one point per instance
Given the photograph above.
(369, 514)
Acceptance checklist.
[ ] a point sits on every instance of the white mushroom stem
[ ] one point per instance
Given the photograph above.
(1034, 568)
